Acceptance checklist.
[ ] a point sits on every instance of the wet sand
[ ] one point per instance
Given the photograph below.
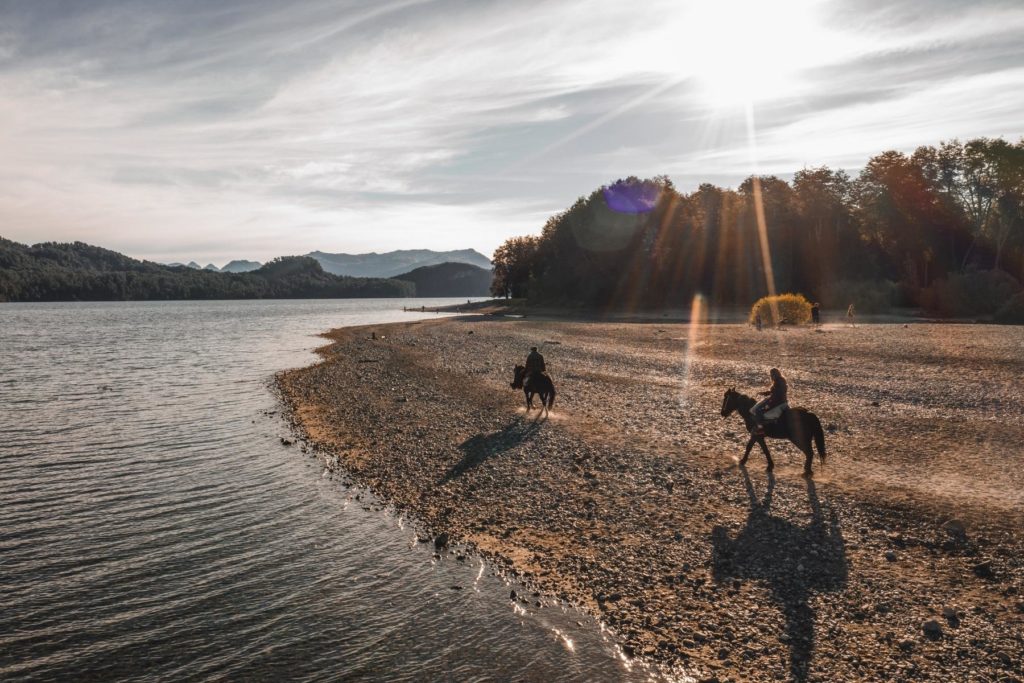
(899, 559)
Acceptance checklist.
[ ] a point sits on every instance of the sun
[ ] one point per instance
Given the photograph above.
(743, 51)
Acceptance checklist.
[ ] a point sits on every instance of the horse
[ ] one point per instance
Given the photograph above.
(534, 383)
(799, 425)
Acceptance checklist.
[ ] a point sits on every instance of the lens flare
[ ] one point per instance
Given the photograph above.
(698, 318)
(762, 224)
(632, 197)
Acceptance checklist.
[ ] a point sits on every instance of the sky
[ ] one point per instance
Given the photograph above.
(179, 130)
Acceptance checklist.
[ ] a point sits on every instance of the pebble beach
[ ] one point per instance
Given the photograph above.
(900, 559)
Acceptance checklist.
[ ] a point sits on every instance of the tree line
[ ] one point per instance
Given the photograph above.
(941, 228)
(80, 272)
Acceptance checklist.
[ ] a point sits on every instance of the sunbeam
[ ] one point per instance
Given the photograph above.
(762, 224)
(698, 315)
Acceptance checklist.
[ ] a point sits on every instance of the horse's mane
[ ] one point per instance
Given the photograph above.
(743, 397)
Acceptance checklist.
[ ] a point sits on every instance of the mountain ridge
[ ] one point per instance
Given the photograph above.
(386, 264)
(76, 271)
(393, 263)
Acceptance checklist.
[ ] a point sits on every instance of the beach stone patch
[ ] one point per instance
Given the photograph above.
(627, 490)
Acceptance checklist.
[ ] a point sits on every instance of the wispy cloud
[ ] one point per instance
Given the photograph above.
(214, 130)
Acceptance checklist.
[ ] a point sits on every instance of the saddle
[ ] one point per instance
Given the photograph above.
(781, 411)
(777, 413)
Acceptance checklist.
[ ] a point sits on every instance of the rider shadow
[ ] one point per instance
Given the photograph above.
(794, 561)
(478, 448)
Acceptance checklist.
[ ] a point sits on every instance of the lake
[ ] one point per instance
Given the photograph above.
(155, 527)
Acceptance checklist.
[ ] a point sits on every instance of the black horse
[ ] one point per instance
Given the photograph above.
(796, 424)
(534, 383)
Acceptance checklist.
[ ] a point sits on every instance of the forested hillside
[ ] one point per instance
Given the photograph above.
(81, 272)
(449, 279)
(942, 228)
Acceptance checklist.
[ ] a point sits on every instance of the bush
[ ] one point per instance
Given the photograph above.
(791, 309)
(867, 296)
(1012, 312)
(976, 292)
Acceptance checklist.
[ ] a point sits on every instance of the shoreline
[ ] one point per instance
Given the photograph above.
(612, 505)
(518, 308)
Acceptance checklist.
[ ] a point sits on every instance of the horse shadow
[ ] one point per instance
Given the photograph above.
(480, 447)
(794, 561)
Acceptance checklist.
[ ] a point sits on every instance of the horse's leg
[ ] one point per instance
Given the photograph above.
(529, 402)
(805, 446)
(746, 454)
(800, 437)
(767, 454)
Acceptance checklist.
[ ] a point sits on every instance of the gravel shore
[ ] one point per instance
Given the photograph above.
(899, 560)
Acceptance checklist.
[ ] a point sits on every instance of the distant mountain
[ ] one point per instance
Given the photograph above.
(236, 266)
(395, 263)
(240, 266)
(450, 279)
(80, 272)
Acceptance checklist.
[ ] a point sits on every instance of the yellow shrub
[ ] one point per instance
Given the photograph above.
(784, 309)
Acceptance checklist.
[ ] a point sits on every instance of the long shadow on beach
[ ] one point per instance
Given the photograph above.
(793, 561)
(480, 447)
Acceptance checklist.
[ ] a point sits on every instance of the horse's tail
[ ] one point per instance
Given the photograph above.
(551, 396)
(819, 439)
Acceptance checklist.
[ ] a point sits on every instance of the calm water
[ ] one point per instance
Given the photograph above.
(153, 527)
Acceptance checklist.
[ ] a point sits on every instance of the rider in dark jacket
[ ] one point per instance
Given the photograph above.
(776, 400)
(534, 361)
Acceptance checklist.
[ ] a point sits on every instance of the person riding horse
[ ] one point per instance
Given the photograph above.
(535, 362)
(775, 403)
(533, 379)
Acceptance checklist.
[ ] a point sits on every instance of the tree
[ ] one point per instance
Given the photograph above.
(513, 264)
(830, 246)
(965, 178)
(1007, 226)
(903, 211)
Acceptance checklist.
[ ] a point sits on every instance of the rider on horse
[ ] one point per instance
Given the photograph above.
(535, 362)
(772, 407)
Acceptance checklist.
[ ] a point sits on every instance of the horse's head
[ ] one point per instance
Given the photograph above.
(729, 403)
(517, 379)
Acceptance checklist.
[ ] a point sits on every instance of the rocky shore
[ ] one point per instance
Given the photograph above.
(901, 559)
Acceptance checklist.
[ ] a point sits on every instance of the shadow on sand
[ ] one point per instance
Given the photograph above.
(480, 447)
(794, 561)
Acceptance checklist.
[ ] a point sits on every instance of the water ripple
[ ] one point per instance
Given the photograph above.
(153, 527)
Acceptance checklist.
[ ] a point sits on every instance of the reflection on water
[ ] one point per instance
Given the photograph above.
(154, 527)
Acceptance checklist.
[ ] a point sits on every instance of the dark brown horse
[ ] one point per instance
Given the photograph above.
(534, 383)
(799, 425)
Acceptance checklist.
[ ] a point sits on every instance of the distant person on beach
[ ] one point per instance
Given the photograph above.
(535, 362)
(775, 401)
(849, 314)
(816, 314)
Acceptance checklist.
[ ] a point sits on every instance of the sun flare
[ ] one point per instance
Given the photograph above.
(742, 51)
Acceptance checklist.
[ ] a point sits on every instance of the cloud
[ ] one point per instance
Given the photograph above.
(144, 124)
